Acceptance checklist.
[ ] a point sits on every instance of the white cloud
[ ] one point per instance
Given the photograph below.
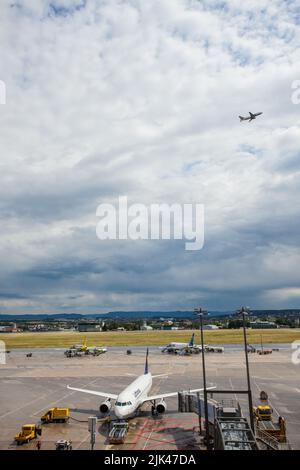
(142, 98)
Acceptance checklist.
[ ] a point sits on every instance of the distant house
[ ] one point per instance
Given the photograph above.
(12, 328)
(169, 327)
(89, 326)
(6, 329)
(262, 324)
(146, 327)
(210, 327)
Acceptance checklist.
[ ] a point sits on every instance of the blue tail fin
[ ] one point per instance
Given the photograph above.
(146, 363)
(191, 343)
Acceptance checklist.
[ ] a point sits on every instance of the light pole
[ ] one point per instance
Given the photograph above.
(92, 422)
(200, 312)
(243, 312)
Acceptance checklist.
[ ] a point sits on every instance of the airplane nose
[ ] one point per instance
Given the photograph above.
(119, 413)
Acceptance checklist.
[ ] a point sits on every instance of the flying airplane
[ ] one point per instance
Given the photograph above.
(133, 396)
(182, 347)
(250, 117)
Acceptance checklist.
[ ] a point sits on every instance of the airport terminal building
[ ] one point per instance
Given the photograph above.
(90, 326)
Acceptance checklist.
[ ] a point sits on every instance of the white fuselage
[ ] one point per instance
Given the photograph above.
(181, 346)
(178, 345)
(133, 396)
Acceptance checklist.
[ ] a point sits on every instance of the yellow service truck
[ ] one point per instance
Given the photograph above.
(28, 432)
(56, 415)
(263, 412)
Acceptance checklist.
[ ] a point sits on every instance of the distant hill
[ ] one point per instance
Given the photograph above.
(138, 315)
(42, 316)
(135, 315)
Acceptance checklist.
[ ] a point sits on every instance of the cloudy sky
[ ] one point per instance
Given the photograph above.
(141, 98)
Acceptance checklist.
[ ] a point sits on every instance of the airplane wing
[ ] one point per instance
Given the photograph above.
(173, 394)
(94, 392)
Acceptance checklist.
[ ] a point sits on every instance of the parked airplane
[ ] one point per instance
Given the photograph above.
(80, 347)
(188, 348)
(134, 396)
(96, 350)
(182, 347)
(250, 117)
(83, 349)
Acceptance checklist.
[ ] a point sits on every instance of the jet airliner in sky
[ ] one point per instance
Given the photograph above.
(250, 117)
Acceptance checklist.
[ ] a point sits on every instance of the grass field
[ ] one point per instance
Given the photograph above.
(144, 338)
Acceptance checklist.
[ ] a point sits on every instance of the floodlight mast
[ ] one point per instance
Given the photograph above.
(200, 312)
(243, 312)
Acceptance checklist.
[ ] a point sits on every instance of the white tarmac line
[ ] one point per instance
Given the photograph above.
(15, 410)
(231, 384)
(64, 396)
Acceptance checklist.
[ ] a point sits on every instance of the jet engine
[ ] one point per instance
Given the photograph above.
(105, 407)
(161, 407)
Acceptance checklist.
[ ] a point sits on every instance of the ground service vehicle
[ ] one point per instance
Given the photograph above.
(72, 352)
(263, 396)
(118, 432)
(63, 444)
(56, 415)
(275, 429)
(28, 432)
(263, 352)
(263, 412)
(217, 349)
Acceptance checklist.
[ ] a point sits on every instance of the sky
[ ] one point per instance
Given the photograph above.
(110, 98)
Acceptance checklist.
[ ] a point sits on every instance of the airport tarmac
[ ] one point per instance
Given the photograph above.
(29, 386)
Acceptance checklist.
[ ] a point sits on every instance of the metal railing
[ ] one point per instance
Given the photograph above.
(270, 441)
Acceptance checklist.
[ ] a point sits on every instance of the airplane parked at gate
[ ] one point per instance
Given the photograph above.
(178, 348)
(134, 396)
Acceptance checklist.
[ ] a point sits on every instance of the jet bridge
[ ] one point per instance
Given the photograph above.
(228, 429)
(231, 429)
